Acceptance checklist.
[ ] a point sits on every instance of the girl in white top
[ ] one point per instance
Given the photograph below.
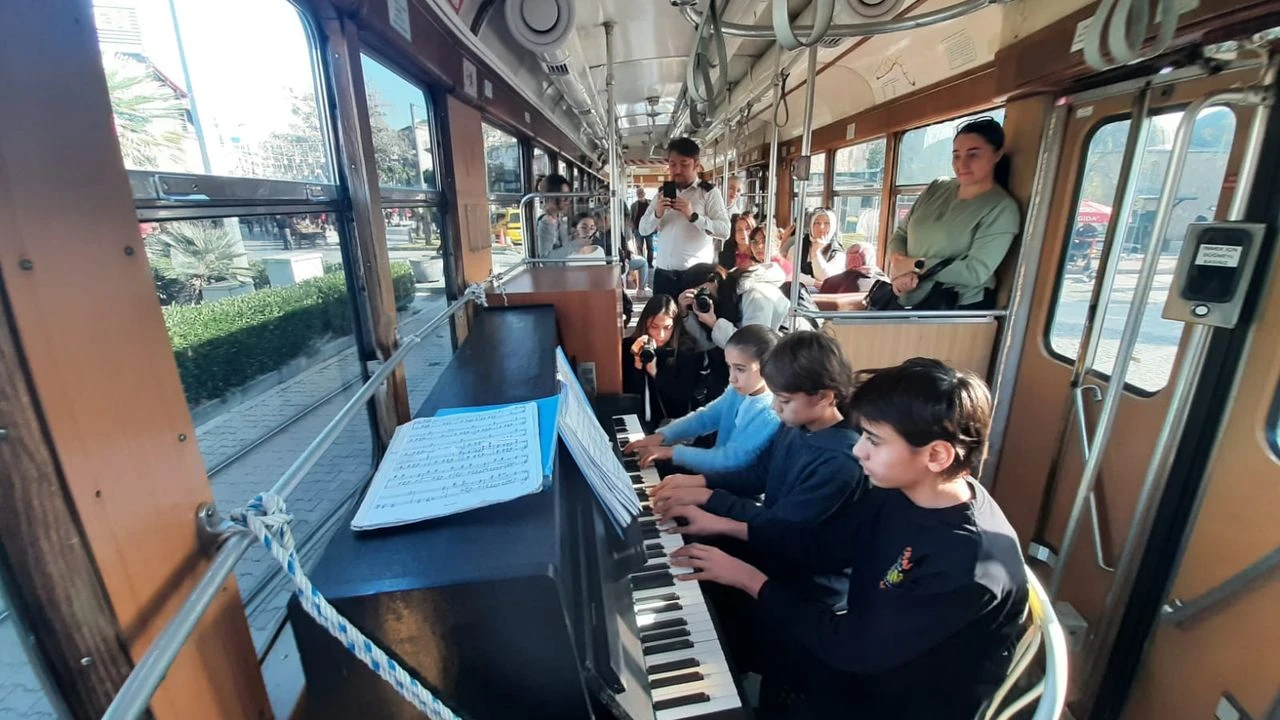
(582, 243)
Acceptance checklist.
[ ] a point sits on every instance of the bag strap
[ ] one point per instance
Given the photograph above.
(937, 268)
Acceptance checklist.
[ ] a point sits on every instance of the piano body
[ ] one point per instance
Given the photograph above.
(524, 609)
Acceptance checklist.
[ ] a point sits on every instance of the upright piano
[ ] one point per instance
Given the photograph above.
(534, 608)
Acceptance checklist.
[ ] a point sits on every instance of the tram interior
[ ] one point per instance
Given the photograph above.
(242, 242)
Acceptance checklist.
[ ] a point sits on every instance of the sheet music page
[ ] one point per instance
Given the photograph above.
(444, 465)
(592, 450)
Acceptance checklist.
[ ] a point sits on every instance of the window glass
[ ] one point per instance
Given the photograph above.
(541, 164)
(261, 326)
(23, 691)
(924, 154)
(224, 88)
(503, 165)
(506, 234)
(859, 222)
(859, 167)
(1196, 201)
(400, 117)
(418, 270)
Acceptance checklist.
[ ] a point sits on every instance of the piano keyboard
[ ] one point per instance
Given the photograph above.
(688, 674)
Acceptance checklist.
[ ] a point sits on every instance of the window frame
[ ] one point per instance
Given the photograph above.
(1059, 274)
(399, 197)
(882, 235)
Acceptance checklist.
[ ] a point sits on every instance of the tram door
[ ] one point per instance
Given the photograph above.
(1083, 292)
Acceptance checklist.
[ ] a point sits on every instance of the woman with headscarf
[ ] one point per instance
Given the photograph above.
(821, 253)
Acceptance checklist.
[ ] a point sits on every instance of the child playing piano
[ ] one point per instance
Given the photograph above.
(742, 417)
(937, 588)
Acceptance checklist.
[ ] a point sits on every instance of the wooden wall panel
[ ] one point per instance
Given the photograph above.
(470, 191)
(82, 299)
(967, 346)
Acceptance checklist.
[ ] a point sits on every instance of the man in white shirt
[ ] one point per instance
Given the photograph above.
(686, 223)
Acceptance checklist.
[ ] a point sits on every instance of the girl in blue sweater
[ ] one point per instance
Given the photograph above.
(742, 417)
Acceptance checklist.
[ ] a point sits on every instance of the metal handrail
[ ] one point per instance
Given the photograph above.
(1180, 613)
(878, 27)
(870, 316)
(138, 689)
(531, 239)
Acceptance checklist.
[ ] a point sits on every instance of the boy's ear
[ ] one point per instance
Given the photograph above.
(827, 397)
(939, 456)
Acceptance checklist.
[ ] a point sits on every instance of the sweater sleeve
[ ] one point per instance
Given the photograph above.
(991, 242)
(723, 329)
(898, 625)
(754, 428)
(746, 481)
(829, 546)
(697, 423)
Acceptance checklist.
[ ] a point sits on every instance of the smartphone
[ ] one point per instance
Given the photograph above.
(669, 190)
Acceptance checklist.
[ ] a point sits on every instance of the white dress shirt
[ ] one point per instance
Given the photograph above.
(683, 244)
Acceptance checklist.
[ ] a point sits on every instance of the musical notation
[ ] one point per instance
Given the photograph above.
(447, 464)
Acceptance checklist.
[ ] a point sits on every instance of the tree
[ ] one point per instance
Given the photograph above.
(196, 253)
(149, 117)
(298, 153)
(393, 150)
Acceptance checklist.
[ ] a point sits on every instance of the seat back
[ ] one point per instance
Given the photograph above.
(1051, 690)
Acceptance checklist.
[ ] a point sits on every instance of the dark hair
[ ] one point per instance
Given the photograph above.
(555, 183)
(990, 131)
(580, 217)
(684, 146)
(757, 341)
(659, 305)
(699, 274)
(924, 401)
(809, 362)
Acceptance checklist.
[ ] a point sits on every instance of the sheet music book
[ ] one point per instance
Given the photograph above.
(444, 465)
(591, 448)
(548, 412)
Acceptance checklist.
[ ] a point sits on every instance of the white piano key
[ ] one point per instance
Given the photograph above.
(717, 704)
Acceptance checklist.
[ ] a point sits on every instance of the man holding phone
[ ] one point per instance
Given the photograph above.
(686, 215)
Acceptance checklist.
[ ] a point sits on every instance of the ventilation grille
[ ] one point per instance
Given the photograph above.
(830, 42)
(557, 70)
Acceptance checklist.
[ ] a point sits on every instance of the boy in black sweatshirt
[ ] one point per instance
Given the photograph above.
(937, 589)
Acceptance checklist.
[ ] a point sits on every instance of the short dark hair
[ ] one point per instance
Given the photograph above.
(699, 274)
(580, 217)
(555, 182)
(757, 341)
(685, 146)
(924, 400)
(807, 361)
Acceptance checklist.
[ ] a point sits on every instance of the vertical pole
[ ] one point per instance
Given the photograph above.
(615, 217)
(771, 196)
(186, 79)
(806, 146)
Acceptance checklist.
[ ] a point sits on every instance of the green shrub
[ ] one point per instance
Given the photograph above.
(258, 270)
(221, 346)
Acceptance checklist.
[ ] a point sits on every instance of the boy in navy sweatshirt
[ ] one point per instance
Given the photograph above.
(937, 589)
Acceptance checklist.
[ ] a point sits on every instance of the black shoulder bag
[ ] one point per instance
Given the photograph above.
(940, 297)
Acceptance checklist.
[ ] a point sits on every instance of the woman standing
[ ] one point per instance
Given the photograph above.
(970, 220)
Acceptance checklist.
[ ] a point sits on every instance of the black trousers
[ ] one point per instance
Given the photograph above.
(667, 282)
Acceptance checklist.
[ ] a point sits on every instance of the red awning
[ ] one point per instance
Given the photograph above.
(1092, 212)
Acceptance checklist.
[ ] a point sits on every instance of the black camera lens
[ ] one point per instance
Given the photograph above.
(648, 353)
(702, 301)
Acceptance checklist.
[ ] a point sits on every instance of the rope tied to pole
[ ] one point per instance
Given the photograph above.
(266, 517)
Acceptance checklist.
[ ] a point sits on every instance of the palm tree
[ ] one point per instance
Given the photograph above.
(149, 118)
(197, 253)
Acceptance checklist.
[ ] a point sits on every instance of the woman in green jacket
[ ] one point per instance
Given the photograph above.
(970, 219)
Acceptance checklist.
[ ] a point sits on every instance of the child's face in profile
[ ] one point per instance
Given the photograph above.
(891, 462)
(744, 371)
(797, 409)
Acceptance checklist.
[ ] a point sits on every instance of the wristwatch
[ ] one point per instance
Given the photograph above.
(693, 218)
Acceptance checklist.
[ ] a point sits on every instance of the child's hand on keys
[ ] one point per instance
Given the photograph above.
(677, 497)
(644, 442)
(649, 454)
(678, 480)
(693, 520)
(715, 565)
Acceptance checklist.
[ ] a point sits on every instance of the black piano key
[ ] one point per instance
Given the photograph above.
(653, 546)
(670, 680)
(650, 532)
(659, 648)
(664, 607)
(681, 701)
(648, 519)
(654, 567)
(661, 597)
(666, 624)
(646, 581)
(672, 666)
(664, 635)
(636, 478)
(654, 554)
(642, 495)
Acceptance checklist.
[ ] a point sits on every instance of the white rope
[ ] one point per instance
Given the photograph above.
(266, 518)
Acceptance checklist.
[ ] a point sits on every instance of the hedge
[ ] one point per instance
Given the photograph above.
(223, 345)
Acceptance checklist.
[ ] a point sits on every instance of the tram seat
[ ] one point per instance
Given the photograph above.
(1051, 689)
(963, 344)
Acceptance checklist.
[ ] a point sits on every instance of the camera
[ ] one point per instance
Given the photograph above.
(702, 301)
(648, 352)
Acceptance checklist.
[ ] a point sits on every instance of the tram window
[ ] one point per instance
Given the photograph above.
(817, 177)
(400, 117)
(24, 687)
(541, 163)
(261, 324)
(858, 176)
(924, 154)
(183, 103)
(1197, 199)
(416, 249)
(503, 163)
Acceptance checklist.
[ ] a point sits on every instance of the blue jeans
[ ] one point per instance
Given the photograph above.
(641, 267)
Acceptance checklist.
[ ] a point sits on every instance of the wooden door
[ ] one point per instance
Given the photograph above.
(1042, 461)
